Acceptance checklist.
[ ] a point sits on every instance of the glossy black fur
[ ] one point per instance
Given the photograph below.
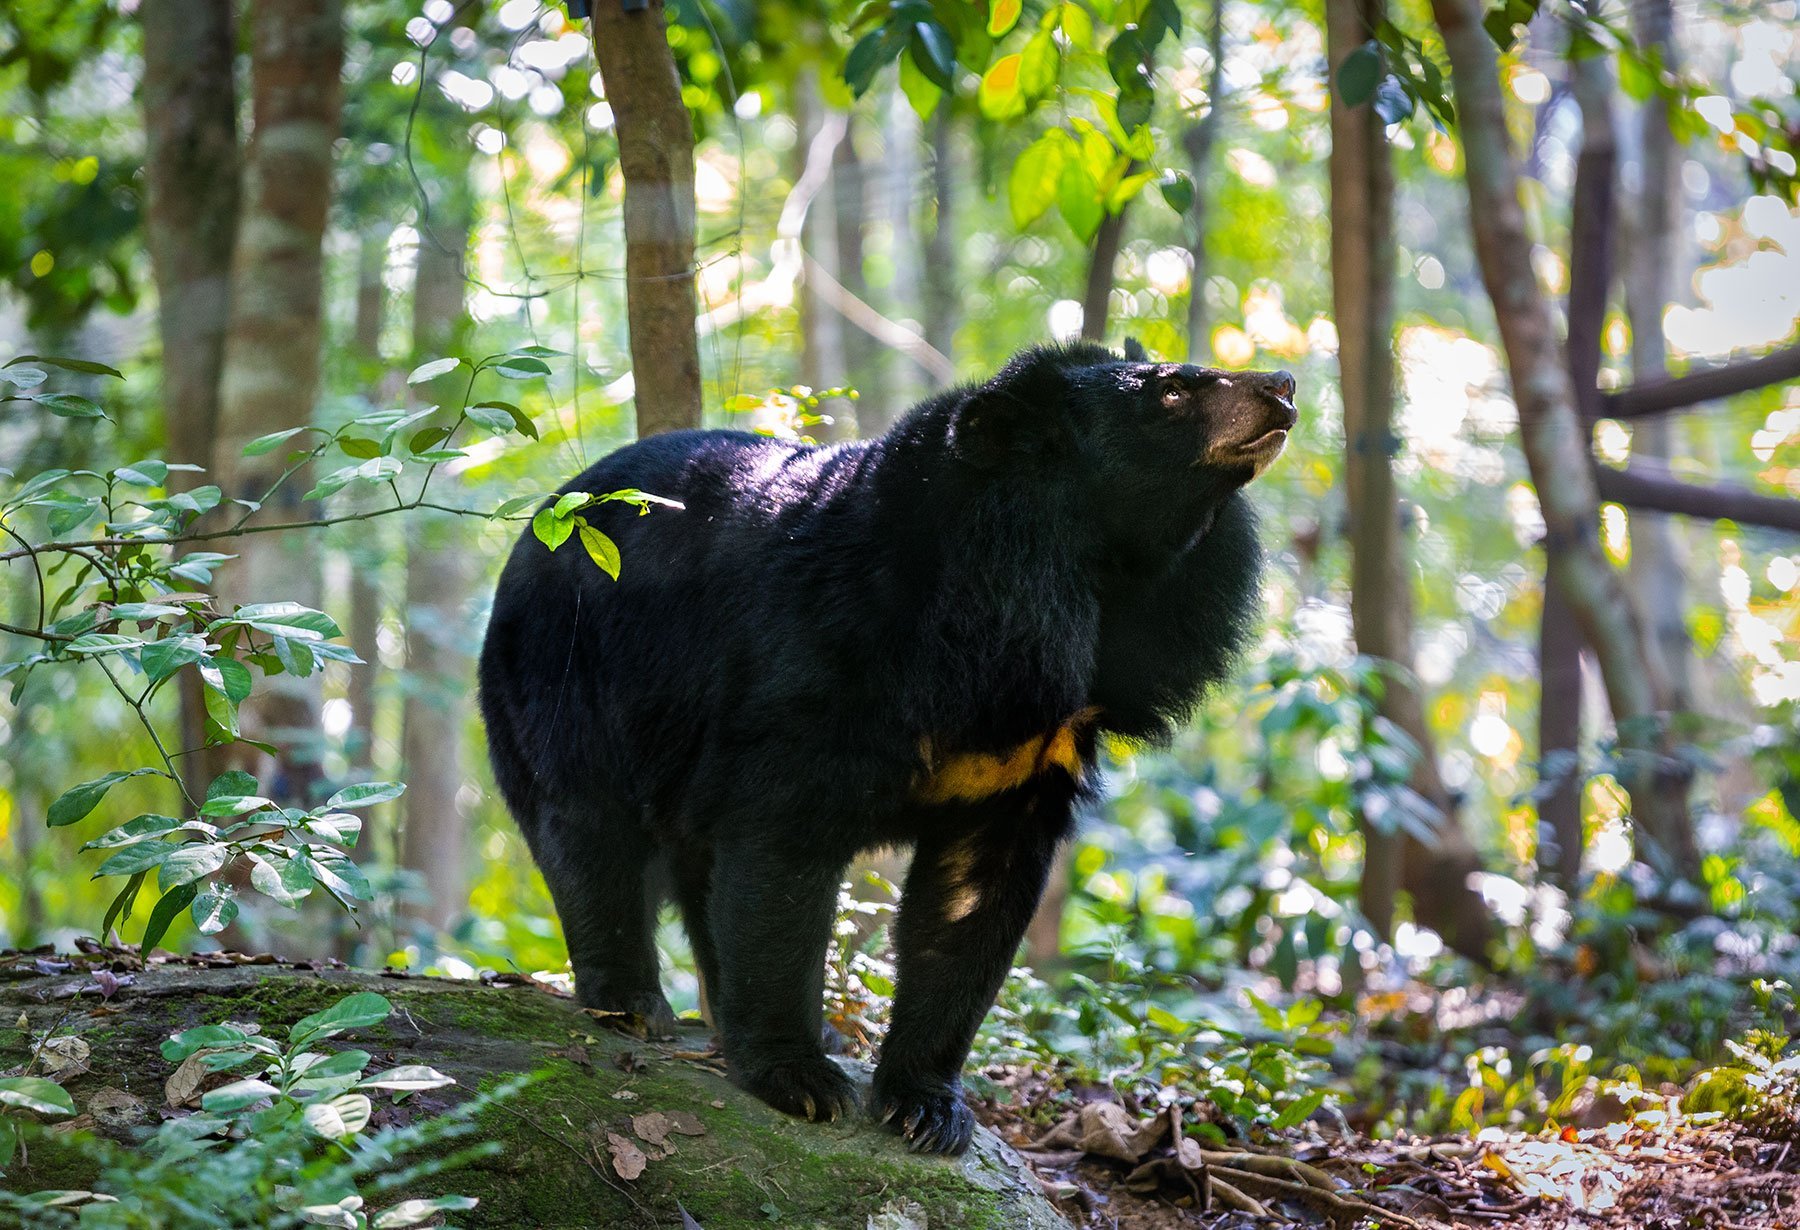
(751, 704)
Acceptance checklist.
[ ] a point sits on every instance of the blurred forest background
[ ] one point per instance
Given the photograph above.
(1512, 773)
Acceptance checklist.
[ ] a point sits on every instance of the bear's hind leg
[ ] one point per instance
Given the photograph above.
(690, 874)
(607, 893)
(771, 913)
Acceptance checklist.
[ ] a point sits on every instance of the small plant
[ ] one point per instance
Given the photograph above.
(285, 1147)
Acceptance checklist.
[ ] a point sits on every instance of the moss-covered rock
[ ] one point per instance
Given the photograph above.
(748, 1166)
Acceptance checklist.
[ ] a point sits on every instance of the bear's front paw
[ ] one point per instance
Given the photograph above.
(933, 1119)
(813, 1088)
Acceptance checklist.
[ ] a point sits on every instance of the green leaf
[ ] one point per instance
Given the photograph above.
(1299, 1112)
(77, 801)
(237, 1095)
(227, 676)
(417, 1212)
(35, 1094)
(550, 529)
(569, 501)
(357, 446)
(866, 58)
(432, 370)
(1003, 15)
(178, 1047)
(366, 794)
(342, 1116)
(85, 366)
(1393, 103)
(999, 96)
(338, 874)
(282, 880)
(142, 474)
(1032, 184)
(343, 1063)
(189, 863)
(407, 1078)
(102, 642)
(495, 420)
(231, 782)
(234, 804)
(141, 612)
(133, 859)
(122, 903)
(268, 443)
(69, 406)
(605, 551)
(358, 1011)
(168, 909)
(1178, 191)
(921, 91)
(163, 658)
(1078, 197)
(933, 53)
(518, 504)
(514, 368)
(212, 911)
(1359, 73)
(1038, 64)
(339, 826)
(286, 619)
(136, 829)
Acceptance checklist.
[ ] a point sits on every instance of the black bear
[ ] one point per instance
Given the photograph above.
(914, 641)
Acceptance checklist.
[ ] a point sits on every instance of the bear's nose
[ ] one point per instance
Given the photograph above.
(1280, 384)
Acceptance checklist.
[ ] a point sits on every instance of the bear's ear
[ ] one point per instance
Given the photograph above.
(1013, 415)
(1134, 352)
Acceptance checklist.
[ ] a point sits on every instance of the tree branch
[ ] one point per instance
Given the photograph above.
(1680, 392)
(1638, 487)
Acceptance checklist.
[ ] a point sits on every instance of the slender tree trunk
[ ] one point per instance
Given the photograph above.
(940, 291)
(270, 378)
(1657, 575)
(821, 327)
(849, 214)
(1556, 448)
(191, 176)
(1096, 295)
(439, 580)
(366, 598)
(656, 157)
(1198, 141)
(1363, 256)
(900, 140)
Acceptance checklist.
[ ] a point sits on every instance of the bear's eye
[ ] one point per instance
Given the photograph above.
(1173, 394)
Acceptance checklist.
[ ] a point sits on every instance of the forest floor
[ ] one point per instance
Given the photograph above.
(1109, 1168)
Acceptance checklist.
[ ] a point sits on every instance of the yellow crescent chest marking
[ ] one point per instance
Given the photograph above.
(968, 777)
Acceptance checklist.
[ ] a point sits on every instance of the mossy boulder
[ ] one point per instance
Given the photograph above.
(730, 1162)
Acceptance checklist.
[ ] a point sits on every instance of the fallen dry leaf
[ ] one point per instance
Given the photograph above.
(114, 1108)
(62, 1058)
(183, 1085)
(652, 1127)
(627, 1159)
(686, 1122)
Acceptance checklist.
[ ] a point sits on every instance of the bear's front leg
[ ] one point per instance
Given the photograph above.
(967, 900)
(770, 917)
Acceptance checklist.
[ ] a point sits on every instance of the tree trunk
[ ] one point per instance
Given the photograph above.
(1363, 256)
(440, 577)
(1556, 448)
(821, 327)
(905, 382)
(656, 157)
(742, 1160)
(190, 225)
(942, 301)
(1096, 296)
(1198, 140)
(270, 377)
(849, 212)
(1657, 575)
(363, 627)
